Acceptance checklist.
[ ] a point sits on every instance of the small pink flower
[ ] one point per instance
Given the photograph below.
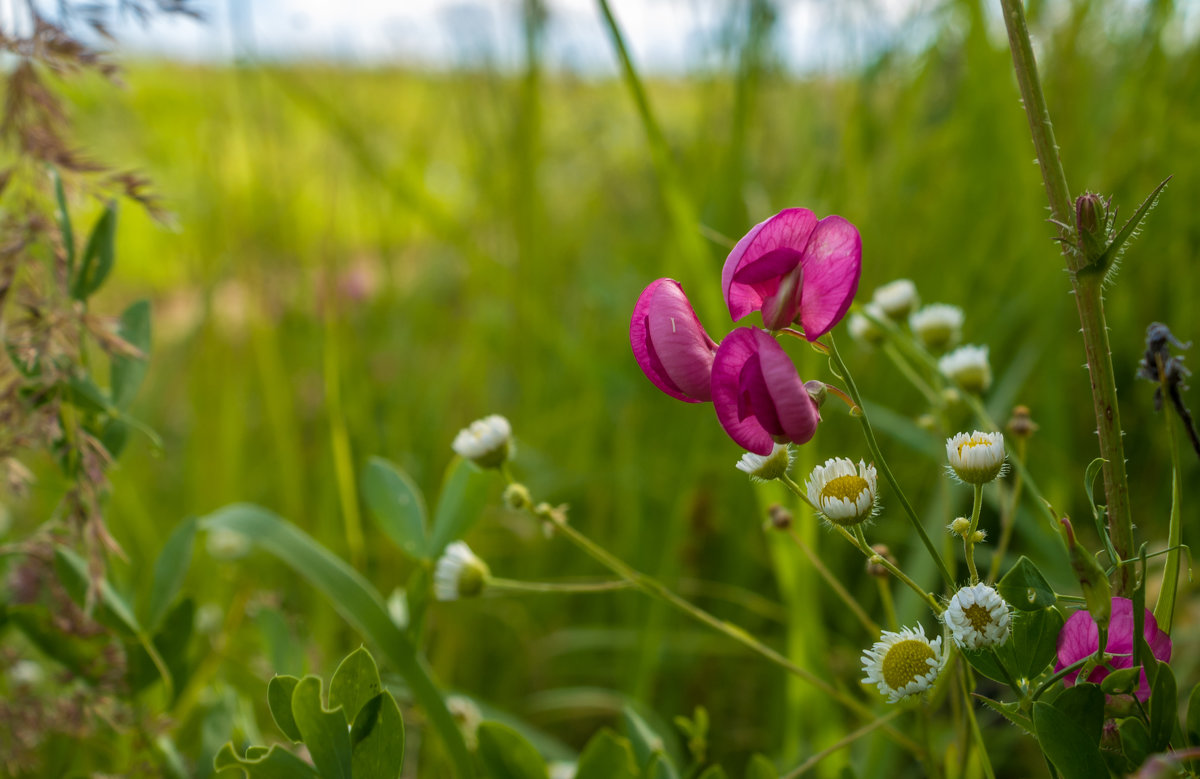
(759, 397)
(670, 343)
(1080, 638)
(794, 266)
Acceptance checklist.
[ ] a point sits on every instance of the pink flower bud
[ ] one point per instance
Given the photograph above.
(670, 343)
(759, 397)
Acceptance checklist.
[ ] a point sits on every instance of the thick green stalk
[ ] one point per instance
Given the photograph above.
(1086, 283)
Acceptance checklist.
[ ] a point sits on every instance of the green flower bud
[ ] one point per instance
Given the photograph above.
(1091, 225)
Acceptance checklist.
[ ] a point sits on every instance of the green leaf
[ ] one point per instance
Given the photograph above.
(1034, 641)
(1163, 715)
(97, 256)
(169, 571)
(984, 661)
(396, 504)
(506, 754)
(114, 435)
(1122, 680)
(171, 641)
(277, 763)
(63, 216)
(607, 756)
(324, 731)
(714, 772)
(1192, 723)
(279, 701)
(459, 504)
(355, 682)
(85, 656)
(643, 738)
(1089, 483)
(377, 739)
(760, 767)
(1130, 227)
(127, 373)
(1025, 588)
(83, 393)
(113, 611)
(1135, 742)
(660, 767)
(1010, 711)
(358, 603)
(1067, 744)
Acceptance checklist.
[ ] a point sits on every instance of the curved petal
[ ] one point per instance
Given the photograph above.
(1078, 638)
(789, 228)
(731, 406)
(1159, 641)
(832, 265)
(670, 344)
(797, 413)
(1120, 628)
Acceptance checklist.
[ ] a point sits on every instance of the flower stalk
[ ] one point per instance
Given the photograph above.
(969, 538)
(1086, 282)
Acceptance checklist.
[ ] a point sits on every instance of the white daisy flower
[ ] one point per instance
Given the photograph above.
(844, 495)
(903, 664)
(459, 573)
(765, 468)
(968, 367)
(938, 326)
(863, 329)
(486, 442)
(898, 299)
(976, 457)
(978, 617)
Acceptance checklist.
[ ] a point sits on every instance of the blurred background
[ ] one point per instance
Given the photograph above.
(390, 219)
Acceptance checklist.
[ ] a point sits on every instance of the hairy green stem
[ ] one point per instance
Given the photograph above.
(969, 538)
(1086, 283)
(881, 463)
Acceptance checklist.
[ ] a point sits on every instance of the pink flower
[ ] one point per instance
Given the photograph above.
(794, 266)
(759, 397)
(670, 343)
(1080, 638)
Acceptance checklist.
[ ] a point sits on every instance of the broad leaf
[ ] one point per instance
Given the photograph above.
(1069, 747)
(127, 373)
(98, 256)
(355, 682)
(279, 701)
(459, 504)
(169, 571)
(506, 754)
(660, 767)
(1034, 641)
(377, 739)
(396, 504)
(607, 756)
(113, 611)
(276, 763)
(324, 731)
(1025, 588)
(1135, 742)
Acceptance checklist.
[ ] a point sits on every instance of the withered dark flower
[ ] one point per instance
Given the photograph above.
(1169, 373)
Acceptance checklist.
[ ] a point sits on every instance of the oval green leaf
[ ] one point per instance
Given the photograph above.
(396, 504)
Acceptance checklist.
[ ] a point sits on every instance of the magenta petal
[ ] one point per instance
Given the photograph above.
(793, 406)
(670, 344)
(744, 428)
(1078, 638)
(789, 228)
(832, 265)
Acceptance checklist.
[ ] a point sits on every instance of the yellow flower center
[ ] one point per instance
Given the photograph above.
(847, 487)
(905, 661)
(973, 442)
(978, 616)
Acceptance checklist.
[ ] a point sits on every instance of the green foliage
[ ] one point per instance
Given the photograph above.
(359, 736)
(505, 754)
(1025, 588)
(1069, 731)
(98, 256)
(396, 504)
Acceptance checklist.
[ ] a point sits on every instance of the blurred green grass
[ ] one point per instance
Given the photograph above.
(447, 245)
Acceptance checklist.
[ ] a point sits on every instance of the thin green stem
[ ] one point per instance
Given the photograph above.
(1008, 517)
(1087, 284)
(881, 463)
(980, 746)
(513, 585)
(969, 538)
(889, 606)
(834, 584)
(812, 762)
(656, 589)
(859, 542)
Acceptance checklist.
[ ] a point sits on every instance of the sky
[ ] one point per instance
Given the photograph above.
(663, 35)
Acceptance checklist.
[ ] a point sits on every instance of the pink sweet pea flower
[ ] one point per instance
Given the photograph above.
(1080, 638)
(670, 343)
(759, 397)
(795, 266)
